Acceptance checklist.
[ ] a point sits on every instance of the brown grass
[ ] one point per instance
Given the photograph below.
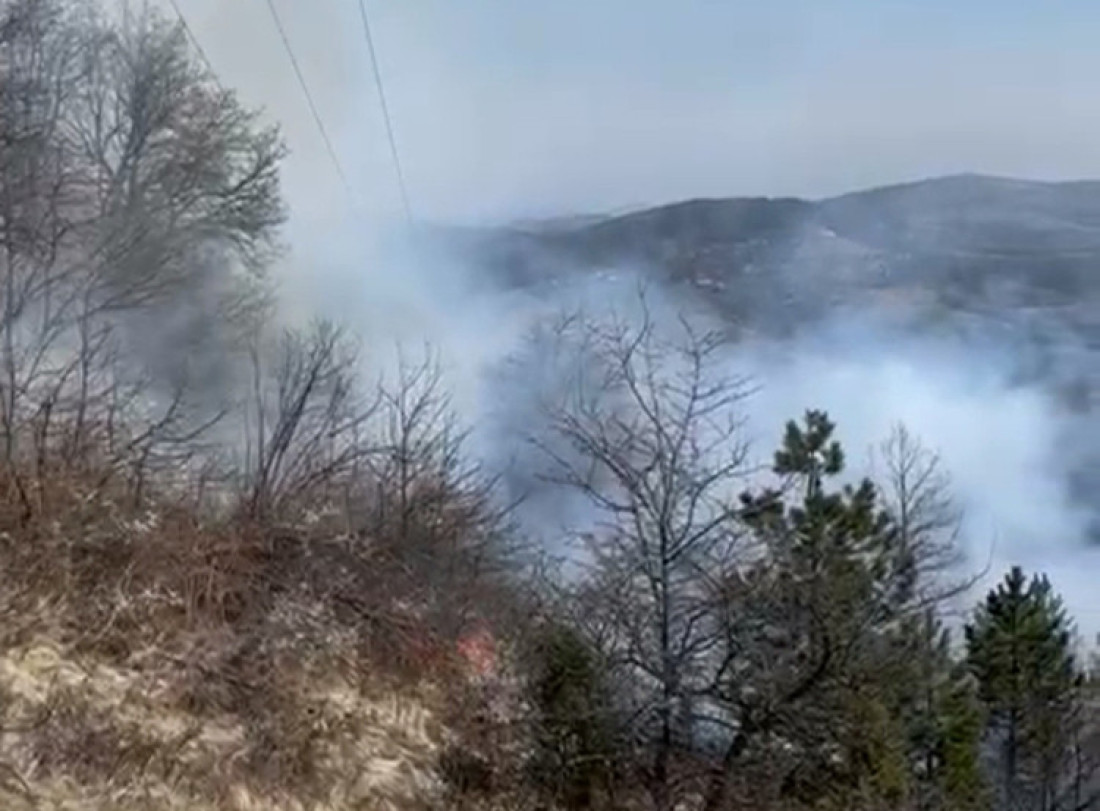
(151, 659)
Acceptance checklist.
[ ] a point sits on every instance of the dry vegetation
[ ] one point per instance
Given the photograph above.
(233, 575)
(160, 655)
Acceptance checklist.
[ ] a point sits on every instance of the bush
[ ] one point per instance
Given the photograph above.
(573, 727)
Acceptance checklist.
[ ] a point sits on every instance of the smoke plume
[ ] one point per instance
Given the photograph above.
(485, 138)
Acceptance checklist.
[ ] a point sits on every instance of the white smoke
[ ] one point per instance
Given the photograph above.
(1005, 444)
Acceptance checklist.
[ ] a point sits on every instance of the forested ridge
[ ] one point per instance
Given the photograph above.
(241, 571)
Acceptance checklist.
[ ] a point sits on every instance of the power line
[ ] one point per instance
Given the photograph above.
(294, 62)
(191, 36)
(385, 110)
(309, 99)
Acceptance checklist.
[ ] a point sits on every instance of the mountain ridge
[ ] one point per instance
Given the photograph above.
(565, 221)
(968, 237)
(1013, 264)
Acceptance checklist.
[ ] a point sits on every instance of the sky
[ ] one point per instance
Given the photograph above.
(518, 108)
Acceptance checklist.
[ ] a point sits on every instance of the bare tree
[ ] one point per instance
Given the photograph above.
(130, 183)
(305, 420)
(177, 166)
(649, 434)
(916, 491)
(38, 68)
(434, 511)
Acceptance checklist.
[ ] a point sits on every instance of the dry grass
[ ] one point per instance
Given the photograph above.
(151, 661)
(85, 734)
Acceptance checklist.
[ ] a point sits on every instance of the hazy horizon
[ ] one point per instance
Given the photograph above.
(506, 112)
(512, 111)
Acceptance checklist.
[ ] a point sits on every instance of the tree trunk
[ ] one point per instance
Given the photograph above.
(661, 794)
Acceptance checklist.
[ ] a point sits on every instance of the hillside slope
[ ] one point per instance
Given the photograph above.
(1012, 263)
(972, 241)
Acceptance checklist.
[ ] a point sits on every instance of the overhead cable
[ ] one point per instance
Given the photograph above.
(309, 99)
(402, 188)
(191, 36)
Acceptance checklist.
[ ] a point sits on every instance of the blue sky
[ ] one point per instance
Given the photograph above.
(518, 107)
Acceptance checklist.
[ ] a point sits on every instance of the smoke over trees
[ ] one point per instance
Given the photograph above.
(239, 513)
(785, 645)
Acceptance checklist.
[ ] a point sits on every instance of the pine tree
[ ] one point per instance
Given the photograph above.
(904, 711)
(573, 732)
(1019, 647)
(811, 632)
(937, 701)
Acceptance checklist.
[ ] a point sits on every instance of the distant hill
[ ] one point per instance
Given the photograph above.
(965, 245)
(1016, 261)
(973, 241)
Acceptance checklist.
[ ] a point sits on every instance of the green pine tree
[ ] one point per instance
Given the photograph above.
(937, 701)
(573, 731)
(1019, 648)
(823, 602)
(904, 712)
(960, 726)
